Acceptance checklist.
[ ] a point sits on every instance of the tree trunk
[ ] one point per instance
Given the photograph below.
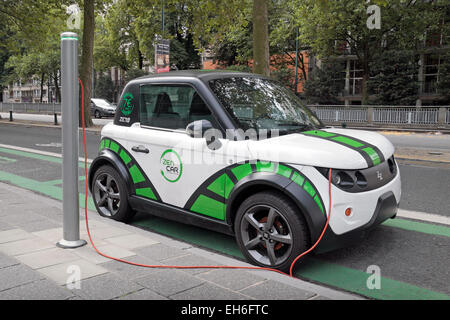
(42, 87)
(87, 58)
(57, 92)
(260, 38)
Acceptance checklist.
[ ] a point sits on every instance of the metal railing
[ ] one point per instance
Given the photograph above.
(28, 107)
(398, 116)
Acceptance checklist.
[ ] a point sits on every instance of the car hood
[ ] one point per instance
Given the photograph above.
(328, 148)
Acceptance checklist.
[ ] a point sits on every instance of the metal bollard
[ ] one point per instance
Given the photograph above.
(56, 119)
(10, 115)
(69, 112)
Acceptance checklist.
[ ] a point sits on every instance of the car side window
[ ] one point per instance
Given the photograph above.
(171, 106)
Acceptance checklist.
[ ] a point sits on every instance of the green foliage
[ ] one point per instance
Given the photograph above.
(134, 73)
(239, 67)
(328, 26)
(104, 87)
(324, 84)
(394, 78)
(443, 84)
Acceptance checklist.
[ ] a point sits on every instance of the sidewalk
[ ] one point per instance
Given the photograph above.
(32, 267)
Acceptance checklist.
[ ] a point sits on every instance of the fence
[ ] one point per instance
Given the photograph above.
(395, 116)
(398, 116)
(46, 108)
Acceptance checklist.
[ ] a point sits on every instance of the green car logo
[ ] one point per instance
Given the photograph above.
(125, 105)
(171, 166)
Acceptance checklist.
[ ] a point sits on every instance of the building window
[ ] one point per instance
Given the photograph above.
(356, 76)
(431, 71)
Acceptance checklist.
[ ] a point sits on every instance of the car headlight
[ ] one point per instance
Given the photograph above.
(363, 179)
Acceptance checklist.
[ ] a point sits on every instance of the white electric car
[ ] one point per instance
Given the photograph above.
(240, 154)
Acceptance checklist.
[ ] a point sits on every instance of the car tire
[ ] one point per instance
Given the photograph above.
(110, 195)
(270, 230)
(97, 114)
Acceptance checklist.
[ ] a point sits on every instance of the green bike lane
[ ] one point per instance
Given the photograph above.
(413, 256)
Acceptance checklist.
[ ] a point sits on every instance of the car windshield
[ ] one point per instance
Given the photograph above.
(102, 103)
(258, 103)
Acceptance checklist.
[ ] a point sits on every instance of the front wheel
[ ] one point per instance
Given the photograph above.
(110, 195)
(270, 230)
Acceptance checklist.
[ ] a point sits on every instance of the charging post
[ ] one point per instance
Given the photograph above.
(69, 114)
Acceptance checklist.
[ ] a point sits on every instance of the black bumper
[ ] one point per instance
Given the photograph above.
(386, 208)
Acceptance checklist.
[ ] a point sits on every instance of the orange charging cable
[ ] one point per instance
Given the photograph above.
(183, 267)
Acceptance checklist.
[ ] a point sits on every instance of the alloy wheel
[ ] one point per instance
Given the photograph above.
(266, 235)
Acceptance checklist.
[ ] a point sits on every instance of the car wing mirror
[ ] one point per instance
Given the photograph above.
(198, 128)
(204, 129)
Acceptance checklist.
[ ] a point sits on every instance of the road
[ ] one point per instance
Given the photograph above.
(412, 255)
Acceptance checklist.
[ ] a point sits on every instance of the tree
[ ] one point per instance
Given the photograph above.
(87, 60)
(104, 87)
(443, 84)
(334, 28)
(394, 78)
(324, 84)
(261, 54)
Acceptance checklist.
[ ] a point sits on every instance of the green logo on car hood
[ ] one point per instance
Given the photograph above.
(125, 105)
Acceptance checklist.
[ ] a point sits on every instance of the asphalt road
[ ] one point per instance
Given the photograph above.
(412, 255)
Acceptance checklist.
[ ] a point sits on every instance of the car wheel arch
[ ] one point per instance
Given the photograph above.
(107, 157)
(258, 182)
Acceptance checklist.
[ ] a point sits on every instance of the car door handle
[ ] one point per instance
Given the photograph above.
(140, 149)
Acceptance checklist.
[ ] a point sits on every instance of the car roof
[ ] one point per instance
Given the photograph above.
(204, 75)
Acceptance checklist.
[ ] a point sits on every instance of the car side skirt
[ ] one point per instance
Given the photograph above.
(177, 214)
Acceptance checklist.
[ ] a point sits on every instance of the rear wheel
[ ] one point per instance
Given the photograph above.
(97, 114)
(110, 195)
(270, 231)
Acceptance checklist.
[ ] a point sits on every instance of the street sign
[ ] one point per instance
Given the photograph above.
(162, 54)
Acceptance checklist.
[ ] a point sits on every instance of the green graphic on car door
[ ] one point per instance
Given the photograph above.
(142, 184)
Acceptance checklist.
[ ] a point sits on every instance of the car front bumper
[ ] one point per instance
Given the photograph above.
(386, 208)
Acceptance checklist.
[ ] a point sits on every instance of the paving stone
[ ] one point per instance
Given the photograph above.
(169, 282)
(4, 226)
(128, 271)
(46, 258)
(23, 218)
(25, 246)
(17, 275)
(144, 294)
(52, 235)
(6, 261)
(105, 287)
(270, 289)
(59, 273)
(103, 233)
(232, 279)
(160, 252)
(191, 260)
(37, 290)
(131, 241)
(88, 253)
(14, 235)
(39, 225)
(208, 291)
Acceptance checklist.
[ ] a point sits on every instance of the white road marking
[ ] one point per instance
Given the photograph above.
(423, 216)
(44, 153)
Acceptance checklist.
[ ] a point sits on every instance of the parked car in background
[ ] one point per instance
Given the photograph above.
(102, 108)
